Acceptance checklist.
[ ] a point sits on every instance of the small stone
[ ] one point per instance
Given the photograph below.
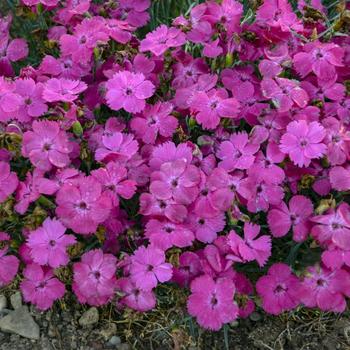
(20, 322)
(114, 341)
(255, 316)
(89, 317)
(16, 300)
(3, 302)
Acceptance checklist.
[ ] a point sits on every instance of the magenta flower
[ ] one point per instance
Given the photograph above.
(319, 58)
(8, 181)
(40, 287)
(280, 290)
(211, 302)
(190, 267)
(166, 234)
(94, 279)
(82, 206)
(176, 180)
(8, 263)
(129, 91)
(303, 142)
(237, 153)
(282, 218)
(148, 266)
(209, 107)
(154, 120)
(284, 93)
(250, 247)
(33, 105)
(162, 39)
(62, 90)
(325, 289)
(135, 298)
(333, 227)
(134, 11)
(340, 178)
(49, 244)
(113, 179)
(116, 147)
(47, 145)
(335, 258)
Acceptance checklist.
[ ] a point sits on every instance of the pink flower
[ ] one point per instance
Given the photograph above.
(333, 227)
(340, 178)
(134, 11)
(135, 298)
(250, 248)
(62, 90)
(280, 290)
(82, 206)
(176, 180)
(129, 91)
(161, 39)
(166, 234)
(47, 145)
(209, 107)
(8, 181)
(302, 142)
(114, 180)
(40, 287)
(8, 263)
(154, 120)
(33, 104)
(282, 218)
(189, 268)
(116, 147)
(211, 302)
(237, 153)
(319, 58)
(148, 266)
(284, 93)
(325, 289)
(49, 243)
(94, 279)
(335, 258)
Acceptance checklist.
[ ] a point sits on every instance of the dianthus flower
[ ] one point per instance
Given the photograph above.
(303, 142)
(161, 39)
(340, 178)
(281, 219)
(250, 247)
(211, 302)
(8, 263)
(153, 121)
(82, 205)
(280, 290)
(128, 91)
(8, 181)
(148, 266)
(62, 90)
(49, 243)
(326, 289)
(40, 287)
(333, 227)
(47, 145)
(94, 278)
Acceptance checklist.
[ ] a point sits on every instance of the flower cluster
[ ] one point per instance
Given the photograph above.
(212, 147)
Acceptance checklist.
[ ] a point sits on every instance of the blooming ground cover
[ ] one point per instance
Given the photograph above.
(209, 153)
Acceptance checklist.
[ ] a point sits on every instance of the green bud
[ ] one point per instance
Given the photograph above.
(229, 59)
(77, 129)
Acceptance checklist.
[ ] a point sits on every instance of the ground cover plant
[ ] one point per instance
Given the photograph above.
(204, 150)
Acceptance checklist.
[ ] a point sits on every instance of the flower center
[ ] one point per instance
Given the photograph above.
(46, 147)
(201, 221)
(82, 205)
(52, 243)
(279, 289)
(28, 101)
(128, 91)
(214, 301)
(174, 183)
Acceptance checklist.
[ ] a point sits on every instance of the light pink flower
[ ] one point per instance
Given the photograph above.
(303, 142)
(8, 181)
(211, 302)
(8, 263)
(62, 90)
(129, 91)
(82, 206)
(40, 287)
(47, 145)
(148, 266)
(340, 178)
(49, 243)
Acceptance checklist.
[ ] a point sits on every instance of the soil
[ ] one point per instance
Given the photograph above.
(301, 330)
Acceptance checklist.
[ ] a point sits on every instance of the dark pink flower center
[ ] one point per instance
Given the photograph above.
(52, 243)
(97, 274)
(174, 183)
(336, 225)
(128, 92)
(83, 40)
(321, 282)
(214, 300)
(46, 147)
(82, 205)
(201, 221)
(169, 229)
(28, 101)
(149, 268)
(279, 289)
